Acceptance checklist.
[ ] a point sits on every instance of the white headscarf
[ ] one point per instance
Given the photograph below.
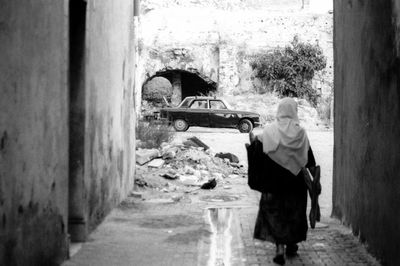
(285, 141)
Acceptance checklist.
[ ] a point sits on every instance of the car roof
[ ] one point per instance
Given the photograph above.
(203, 97)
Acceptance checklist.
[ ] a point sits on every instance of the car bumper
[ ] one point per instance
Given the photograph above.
(257, 124)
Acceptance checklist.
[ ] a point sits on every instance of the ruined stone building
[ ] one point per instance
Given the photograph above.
(207, 46)
(67, 111)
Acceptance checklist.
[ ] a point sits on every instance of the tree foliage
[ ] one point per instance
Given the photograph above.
(157, 88)
(289, 71)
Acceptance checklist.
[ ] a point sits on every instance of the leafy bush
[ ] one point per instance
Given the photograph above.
(157, 88)
(152, 134)
(289, 71)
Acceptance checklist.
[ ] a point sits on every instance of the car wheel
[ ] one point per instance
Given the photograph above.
(180, 125)
(245, 126)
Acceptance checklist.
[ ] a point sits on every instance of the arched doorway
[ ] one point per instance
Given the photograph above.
(186, 83)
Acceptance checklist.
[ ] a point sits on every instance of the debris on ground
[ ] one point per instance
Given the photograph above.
(227, 155)
(195, 142)
(169, 153)
(170, 174)
(183, 168)
(140, 182)
(145, 155)
(210, 184)
(189, 180)
(156, 163)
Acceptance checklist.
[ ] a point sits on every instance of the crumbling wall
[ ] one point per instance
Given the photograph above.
(33, 132)
(223, 37)
(271, 5)
(367, 114)
(110, 117)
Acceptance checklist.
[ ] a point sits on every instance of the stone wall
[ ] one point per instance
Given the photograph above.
(33, 132)
(223, 36)
(367, 114)
(270, 5)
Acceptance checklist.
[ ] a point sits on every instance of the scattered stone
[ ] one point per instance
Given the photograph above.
(164, 145)
(171, 174)
(136, 194)
(145, 155)
(156, 163)
(190, 180)
(197, 173)
(233, 176)
(237, 165)
(170, 153)
(189, 143)
(140, 182)
(189, 170)
(204, 173)
(218, 176)
(210, 152)
(227, 155)
(199, 143)
(201, 167)
(210, 184)
(191, 167)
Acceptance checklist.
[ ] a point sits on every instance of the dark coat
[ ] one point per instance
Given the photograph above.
(282, 212)
(265, 175)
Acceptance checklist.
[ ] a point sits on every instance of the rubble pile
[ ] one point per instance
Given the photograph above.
(184, 167)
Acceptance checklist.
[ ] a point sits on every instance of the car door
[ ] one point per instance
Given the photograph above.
(220, 116)
(198, 113)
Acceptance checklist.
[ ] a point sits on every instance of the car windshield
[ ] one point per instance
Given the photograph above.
(227, 105)
(186, 102)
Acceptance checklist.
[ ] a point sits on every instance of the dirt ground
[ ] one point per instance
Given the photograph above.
(231, 140)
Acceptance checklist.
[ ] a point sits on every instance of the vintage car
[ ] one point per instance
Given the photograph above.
(208, 112)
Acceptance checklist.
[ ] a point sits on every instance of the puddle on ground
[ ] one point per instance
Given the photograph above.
(219, 198)
(169, 221)
(189, 237)
(226, 246)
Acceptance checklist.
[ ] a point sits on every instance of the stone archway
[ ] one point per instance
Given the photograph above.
(185, 83)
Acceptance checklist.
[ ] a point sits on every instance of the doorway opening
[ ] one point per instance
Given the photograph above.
(77, 225)
(185, 83)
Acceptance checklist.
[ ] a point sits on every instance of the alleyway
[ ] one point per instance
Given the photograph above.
(214, 227)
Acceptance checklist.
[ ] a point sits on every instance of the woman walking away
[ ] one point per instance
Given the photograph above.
(282, 217)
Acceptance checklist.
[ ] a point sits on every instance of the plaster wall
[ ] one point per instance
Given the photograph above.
(33, 132)
(34, 123)
(367, 114)
(110, 119)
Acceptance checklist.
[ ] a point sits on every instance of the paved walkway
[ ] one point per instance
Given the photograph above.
(208, 228)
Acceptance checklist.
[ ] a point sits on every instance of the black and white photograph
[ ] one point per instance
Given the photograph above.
(199, 132)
